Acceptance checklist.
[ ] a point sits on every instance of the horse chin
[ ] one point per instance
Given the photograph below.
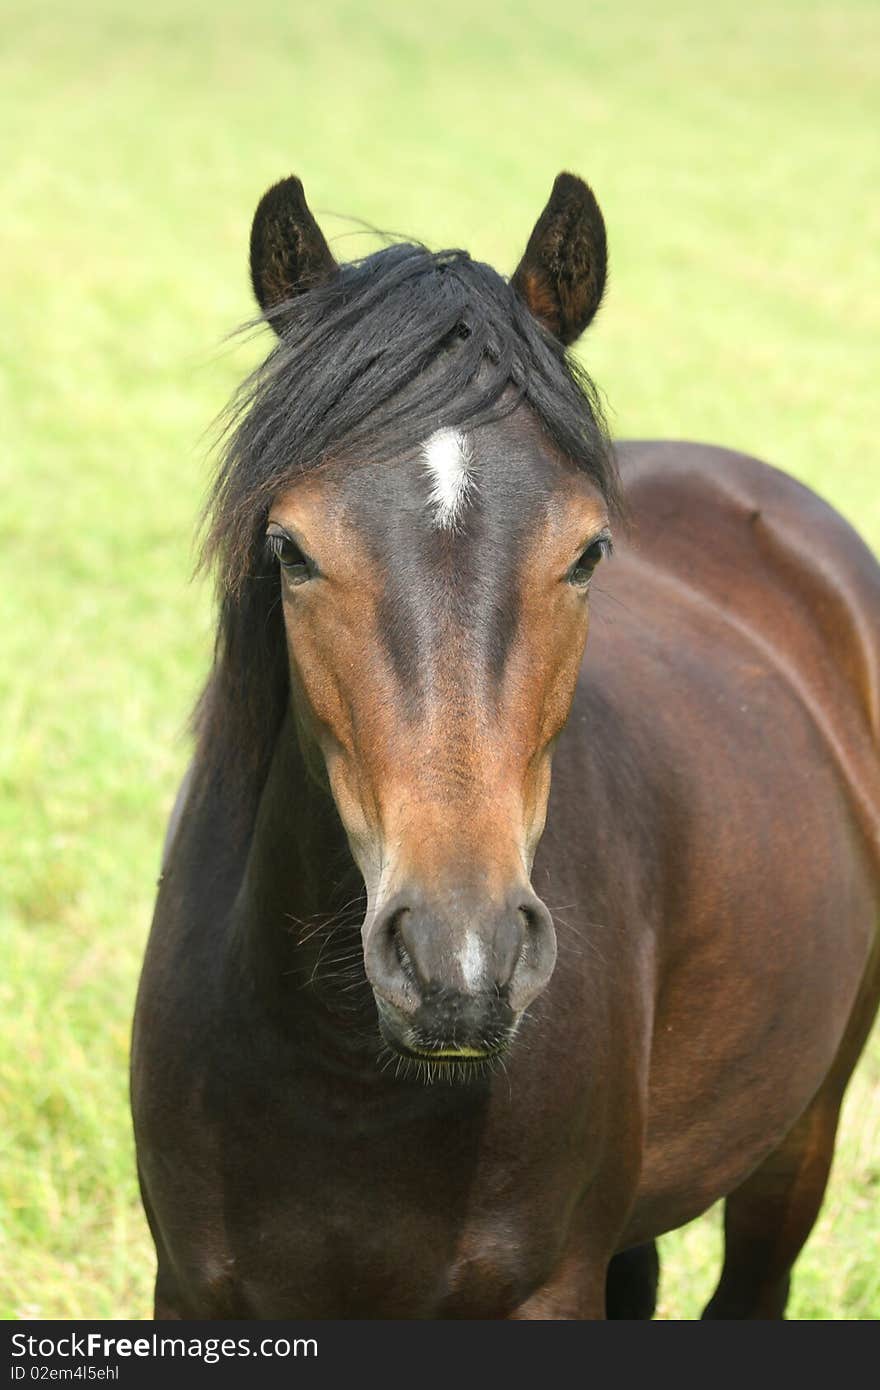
(429, 1059)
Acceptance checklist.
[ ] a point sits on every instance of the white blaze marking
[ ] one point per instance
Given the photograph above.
(470, 958)
(448, 457)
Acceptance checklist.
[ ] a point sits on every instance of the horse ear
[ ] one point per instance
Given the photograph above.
(561, 276)
(288, 250)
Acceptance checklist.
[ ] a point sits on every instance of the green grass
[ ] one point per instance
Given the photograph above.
(735, 155)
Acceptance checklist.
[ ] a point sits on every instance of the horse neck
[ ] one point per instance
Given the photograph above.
(301, 901)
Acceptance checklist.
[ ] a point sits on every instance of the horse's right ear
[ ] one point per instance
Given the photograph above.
(288, 250)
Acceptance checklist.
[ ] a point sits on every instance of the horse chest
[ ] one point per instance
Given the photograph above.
(318, 1211)
(372, 1258)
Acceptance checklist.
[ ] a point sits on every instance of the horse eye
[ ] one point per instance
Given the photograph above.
(289, 556)
(581, 571)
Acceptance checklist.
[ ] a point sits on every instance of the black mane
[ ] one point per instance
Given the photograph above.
(368, 365)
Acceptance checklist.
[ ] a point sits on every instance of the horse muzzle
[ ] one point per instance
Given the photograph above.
(449, 1027)
(451, 980)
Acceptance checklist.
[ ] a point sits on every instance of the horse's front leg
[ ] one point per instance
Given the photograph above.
(575, 1293)
(166, 1300)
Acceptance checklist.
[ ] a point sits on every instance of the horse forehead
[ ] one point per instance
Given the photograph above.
(448, 456)
(455, 510)
(459, 482)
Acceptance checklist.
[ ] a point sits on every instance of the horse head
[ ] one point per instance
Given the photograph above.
(433, 538)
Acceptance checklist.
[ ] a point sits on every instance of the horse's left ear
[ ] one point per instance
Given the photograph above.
(561, 277)
(288, 250)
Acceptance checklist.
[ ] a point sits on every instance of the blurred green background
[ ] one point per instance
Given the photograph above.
(735, 153)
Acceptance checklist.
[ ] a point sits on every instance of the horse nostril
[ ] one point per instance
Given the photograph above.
(537, 954)
(536, 919)
(388, 960)
(419, 954)
(398, 945)
(527, 912)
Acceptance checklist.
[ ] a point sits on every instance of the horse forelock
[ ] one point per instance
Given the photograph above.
(393, 350)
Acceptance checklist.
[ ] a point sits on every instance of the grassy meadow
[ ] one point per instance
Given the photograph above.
(735, 154)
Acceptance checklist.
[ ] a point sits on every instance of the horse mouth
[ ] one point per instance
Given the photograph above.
(452, 1066)
(449, 1053)
(444, 1059)
(417, 1050)
(442, 1053)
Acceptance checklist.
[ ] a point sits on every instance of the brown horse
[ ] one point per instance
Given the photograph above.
(412, 523)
